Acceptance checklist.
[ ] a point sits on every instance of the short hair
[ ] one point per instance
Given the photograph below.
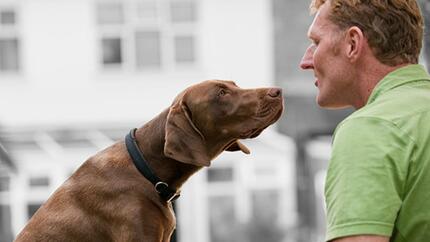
(394, 28)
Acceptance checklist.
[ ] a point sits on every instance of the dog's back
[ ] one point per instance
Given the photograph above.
(104, 200)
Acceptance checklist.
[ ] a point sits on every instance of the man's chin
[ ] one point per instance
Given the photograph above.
(331, 104)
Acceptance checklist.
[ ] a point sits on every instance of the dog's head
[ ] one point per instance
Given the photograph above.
(210, 117)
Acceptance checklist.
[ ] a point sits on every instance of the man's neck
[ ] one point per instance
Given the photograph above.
(370, 74)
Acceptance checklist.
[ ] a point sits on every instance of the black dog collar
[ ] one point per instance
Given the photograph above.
(162, 188)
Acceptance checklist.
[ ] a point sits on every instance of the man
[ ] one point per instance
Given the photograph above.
(364, 54)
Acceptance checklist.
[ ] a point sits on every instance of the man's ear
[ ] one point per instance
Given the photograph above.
(236, 146)
(356, 41)
(184, 141)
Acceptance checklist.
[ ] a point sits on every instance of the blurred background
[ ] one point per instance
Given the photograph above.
(77, 75)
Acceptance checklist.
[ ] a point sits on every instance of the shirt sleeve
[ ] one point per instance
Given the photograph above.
(366, 177)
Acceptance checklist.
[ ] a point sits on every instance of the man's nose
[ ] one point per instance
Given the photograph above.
(307, 60)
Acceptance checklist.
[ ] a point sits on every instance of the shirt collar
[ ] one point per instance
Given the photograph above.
(397, 78)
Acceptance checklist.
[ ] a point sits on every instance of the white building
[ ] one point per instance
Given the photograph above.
(76, 75)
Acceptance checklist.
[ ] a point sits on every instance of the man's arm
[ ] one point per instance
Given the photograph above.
(363, 238)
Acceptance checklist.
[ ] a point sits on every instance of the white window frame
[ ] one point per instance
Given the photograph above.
(246, 180)
(7, 31)
(132, 24)
(5, 196)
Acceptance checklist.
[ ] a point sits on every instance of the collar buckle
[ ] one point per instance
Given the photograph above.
(164, 190)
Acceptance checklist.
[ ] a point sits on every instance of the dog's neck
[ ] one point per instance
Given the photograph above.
(171, 171)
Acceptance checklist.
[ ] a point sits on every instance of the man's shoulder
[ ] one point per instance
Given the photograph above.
(397, 114)
(397, 105)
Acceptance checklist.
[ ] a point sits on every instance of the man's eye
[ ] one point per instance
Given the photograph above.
(313, 46)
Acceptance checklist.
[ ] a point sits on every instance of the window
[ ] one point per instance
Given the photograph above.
(111, 51)
(4, 183)
(7, 17)
(147, 10)
(246, 203)
(9, 42)
(147, 34)
(263, 226)
(184, 49)
(148, 52)
(71, 139)
(182, 11)
(115, 134)
(32, 208)
(224, 226)
(110, 13)
(5, 223)
(39, 182)
(8, 54)
(220, 174)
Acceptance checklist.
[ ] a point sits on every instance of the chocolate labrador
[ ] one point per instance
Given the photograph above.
(124, 193)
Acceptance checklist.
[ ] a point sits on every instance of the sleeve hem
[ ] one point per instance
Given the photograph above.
(351, 229)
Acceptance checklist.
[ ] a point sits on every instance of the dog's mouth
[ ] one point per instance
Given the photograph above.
(251, 133)
(268, 116)
(271, 112)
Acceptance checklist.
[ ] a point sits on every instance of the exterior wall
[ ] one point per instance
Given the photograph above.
(238, 40)
(62, 79)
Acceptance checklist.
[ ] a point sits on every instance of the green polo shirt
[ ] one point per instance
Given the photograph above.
(378, 180)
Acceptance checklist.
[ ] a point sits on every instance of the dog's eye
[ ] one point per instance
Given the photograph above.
(222, 92)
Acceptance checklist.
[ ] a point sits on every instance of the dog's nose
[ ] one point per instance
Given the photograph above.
(275, 92)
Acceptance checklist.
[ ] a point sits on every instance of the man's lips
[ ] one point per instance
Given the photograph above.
(316, 82)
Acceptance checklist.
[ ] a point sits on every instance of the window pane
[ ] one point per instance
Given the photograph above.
(75, 143)
(32, 208)
(147, 10)
(7, 17)
(184, 49)
(114, 134)
(111, 51)
(110, 13)
(69, 139)
(224, 226)
(9, 55)
(5, 224)
(263, 225)
(4, 183)
(182, 11)
(220, 174)
(39, 182)
(148, 52)
(25, 145)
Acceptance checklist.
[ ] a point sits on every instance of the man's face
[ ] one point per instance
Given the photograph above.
(326, 57)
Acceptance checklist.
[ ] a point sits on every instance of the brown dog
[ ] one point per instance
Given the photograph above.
(108, 199)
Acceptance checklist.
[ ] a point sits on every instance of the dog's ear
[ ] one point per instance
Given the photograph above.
(184, 141)
(236, 146)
